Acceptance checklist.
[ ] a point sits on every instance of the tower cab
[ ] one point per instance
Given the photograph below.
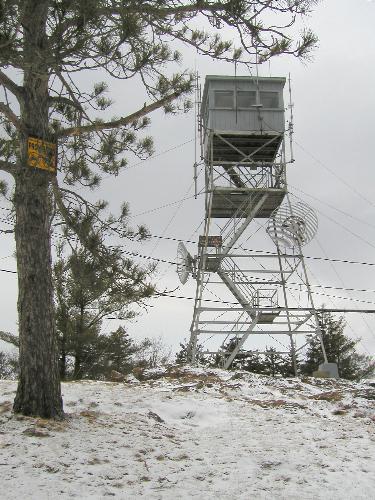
(242, 129)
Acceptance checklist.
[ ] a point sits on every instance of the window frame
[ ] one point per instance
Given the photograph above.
(216, 91)
(249, 92)
(269, 92)
(234, 98)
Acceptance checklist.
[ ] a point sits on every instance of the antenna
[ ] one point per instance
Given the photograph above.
(291, 122)
(184, 263)
(196, 121)
(292, 226)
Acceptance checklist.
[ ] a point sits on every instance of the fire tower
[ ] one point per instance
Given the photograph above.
(243, 294)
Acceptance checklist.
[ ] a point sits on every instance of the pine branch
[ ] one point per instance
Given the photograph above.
(10, 338)
(96, 127)
(198, 6)
(65, 100)
(12, 117)
(65, 212)
(11, 85)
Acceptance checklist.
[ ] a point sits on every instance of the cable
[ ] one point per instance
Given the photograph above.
(343, 284)
(342, 226)
(141, 162)
(357, 219)
(165, 206)
(6, 257)
(164, 261)
(351, 188)
(326, 259)
(348, 323)
(322, 309)
(148, 257)
(159, 154)
(170, 222)
(337, 296)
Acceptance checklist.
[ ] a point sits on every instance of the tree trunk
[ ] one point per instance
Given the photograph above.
(38, 391)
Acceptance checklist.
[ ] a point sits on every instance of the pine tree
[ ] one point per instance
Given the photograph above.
(119, 350)
(182, 354)
(89, 286)
(105, 353)
(250, 362)
(340, 349)
(244, 360)
(47, 46)
(272, 362)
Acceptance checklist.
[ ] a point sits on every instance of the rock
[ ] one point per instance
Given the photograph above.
(339, 411)
(33, 432)
(327, 370)
(155, 416)
(320, 374)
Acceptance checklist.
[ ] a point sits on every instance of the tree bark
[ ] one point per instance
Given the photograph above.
(38, 391)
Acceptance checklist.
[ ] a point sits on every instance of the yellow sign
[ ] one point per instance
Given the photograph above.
(41, 154)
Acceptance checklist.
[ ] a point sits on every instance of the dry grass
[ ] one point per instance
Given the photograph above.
(275, 403)
(328, 396)
(196, 380)
(5, 407)
(90, 415)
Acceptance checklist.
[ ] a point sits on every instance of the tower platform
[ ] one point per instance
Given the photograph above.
(266, 318)
(235, 147)
(235, 202)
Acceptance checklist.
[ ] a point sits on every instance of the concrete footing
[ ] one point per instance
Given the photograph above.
(327, 370)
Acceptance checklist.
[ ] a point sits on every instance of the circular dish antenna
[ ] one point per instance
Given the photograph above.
(292, 225)
(184, 263)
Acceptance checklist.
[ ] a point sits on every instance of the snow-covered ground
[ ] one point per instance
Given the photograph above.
(195, 434)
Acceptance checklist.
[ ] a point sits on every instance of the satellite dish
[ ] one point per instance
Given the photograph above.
(184, 263)
(292, 225)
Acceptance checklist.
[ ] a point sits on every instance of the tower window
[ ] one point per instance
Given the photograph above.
(246, 98)
(224, 99)
(269, 99)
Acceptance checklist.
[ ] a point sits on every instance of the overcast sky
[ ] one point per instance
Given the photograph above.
(334, 109)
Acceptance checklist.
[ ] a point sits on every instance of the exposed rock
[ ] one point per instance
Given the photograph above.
(33, 432)
(155, 416)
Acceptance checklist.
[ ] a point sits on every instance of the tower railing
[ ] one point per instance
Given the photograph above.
(262, 176)
(234, 224)
(240, 284)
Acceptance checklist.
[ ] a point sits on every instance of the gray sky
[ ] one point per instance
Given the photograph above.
(334, 107)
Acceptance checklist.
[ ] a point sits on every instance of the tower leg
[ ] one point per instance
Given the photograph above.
(294, 357)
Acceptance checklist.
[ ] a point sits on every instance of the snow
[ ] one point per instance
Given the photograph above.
(194, 434)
